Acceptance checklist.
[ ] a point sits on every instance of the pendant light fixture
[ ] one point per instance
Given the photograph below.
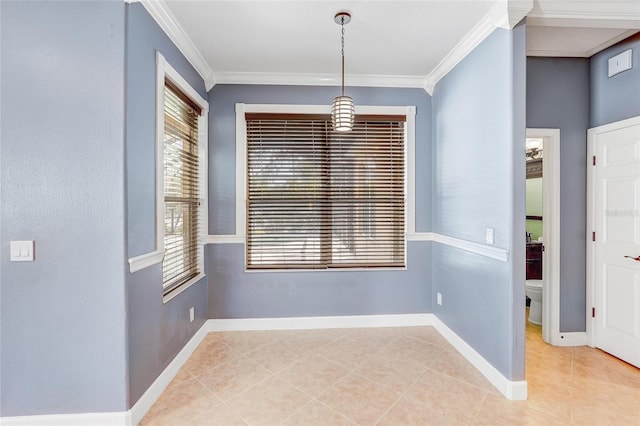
(343, 111)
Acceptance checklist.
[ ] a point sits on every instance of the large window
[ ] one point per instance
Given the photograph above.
(323, 199)
(181, 208)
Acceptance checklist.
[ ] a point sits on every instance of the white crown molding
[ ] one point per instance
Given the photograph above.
(610, 43)
(582, 22)
(517, 10)
(165, 19)
(485, 26)
(583, 53)
(292, 79)
(621, 10)
(504, 14)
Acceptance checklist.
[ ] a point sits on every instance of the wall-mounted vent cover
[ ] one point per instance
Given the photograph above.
(620, 62)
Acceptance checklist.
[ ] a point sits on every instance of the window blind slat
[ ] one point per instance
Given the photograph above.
(181, 189)
(319, 199)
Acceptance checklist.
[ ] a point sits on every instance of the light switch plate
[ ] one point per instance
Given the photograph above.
(620, 62)
(22, 251)
(489, 238)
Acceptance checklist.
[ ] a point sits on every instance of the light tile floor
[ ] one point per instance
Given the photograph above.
(386, 376)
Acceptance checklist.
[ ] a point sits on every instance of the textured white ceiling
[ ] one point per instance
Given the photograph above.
(384, 38)
(571, 41)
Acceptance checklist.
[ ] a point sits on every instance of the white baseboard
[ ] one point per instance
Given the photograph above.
(83, 419)
(310, 323)
(578, 338)
(142, 406)
(513, 390)
(127, 418)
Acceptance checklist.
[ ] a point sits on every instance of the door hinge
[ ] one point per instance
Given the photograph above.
(593, 312)
(594, 160)
(593, 236)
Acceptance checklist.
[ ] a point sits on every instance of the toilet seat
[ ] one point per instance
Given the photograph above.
(534, 283)
(533, 289)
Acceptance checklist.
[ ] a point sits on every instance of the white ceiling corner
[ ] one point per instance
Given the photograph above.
(503, 14)
(299, 79)
(579, 28)
(388, 43)
(517, 10)
(166, 20)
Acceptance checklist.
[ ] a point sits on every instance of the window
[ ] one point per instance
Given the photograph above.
(323, 199)
(181, 209)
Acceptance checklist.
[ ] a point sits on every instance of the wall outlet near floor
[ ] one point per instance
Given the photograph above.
(192, 314)
(489, 238)
(439, 298)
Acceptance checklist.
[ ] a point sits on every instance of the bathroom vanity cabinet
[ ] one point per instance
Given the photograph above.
(534, 261)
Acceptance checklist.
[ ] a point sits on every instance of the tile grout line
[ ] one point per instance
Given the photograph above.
(474, 418)
(401, 396)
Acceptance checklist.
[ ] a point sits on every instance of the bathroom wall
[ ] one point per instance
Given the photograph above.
(534, 207)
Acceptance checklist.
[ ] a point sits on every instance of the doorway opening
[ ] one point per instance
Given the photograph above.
(549, 245)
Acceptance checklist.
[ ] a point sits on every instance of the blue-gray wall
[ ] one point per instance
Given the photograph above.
(558, 97)
(615, 98)
(63, 318)
(156, 331)
(233, 293)
(478, 168)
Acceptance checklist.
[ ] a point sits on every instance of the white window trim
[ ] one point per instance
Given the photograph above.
(165, 70)
(241, 159)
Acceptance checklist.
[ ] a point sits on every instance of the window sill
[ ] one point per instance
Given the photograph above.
(176, 291)
(145, 260)
(260, 271)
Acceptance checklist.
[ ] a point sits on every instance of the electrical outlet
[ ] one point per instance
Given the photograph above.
(192, 314)
(439, 298)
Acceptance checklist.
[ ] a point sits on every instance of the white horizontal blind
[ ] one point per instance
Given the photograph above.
(181, 188)
(323, 199)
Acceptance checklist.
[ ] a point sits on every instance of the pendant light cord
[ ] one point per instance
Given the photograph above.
(342, 53)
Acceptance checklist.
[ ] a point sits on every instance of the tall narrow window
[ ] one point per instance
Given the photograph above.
(323, 199)
(181, 188)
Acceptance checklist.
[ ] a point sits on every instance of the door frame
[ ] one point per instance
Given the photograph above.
(591, 152)
(551, 234)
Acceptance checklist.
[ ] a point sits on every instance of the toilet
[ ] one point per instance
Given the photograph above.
(533, 289)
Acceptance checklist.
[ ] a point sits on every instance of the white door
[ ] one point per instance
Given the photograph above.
(616, 251)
